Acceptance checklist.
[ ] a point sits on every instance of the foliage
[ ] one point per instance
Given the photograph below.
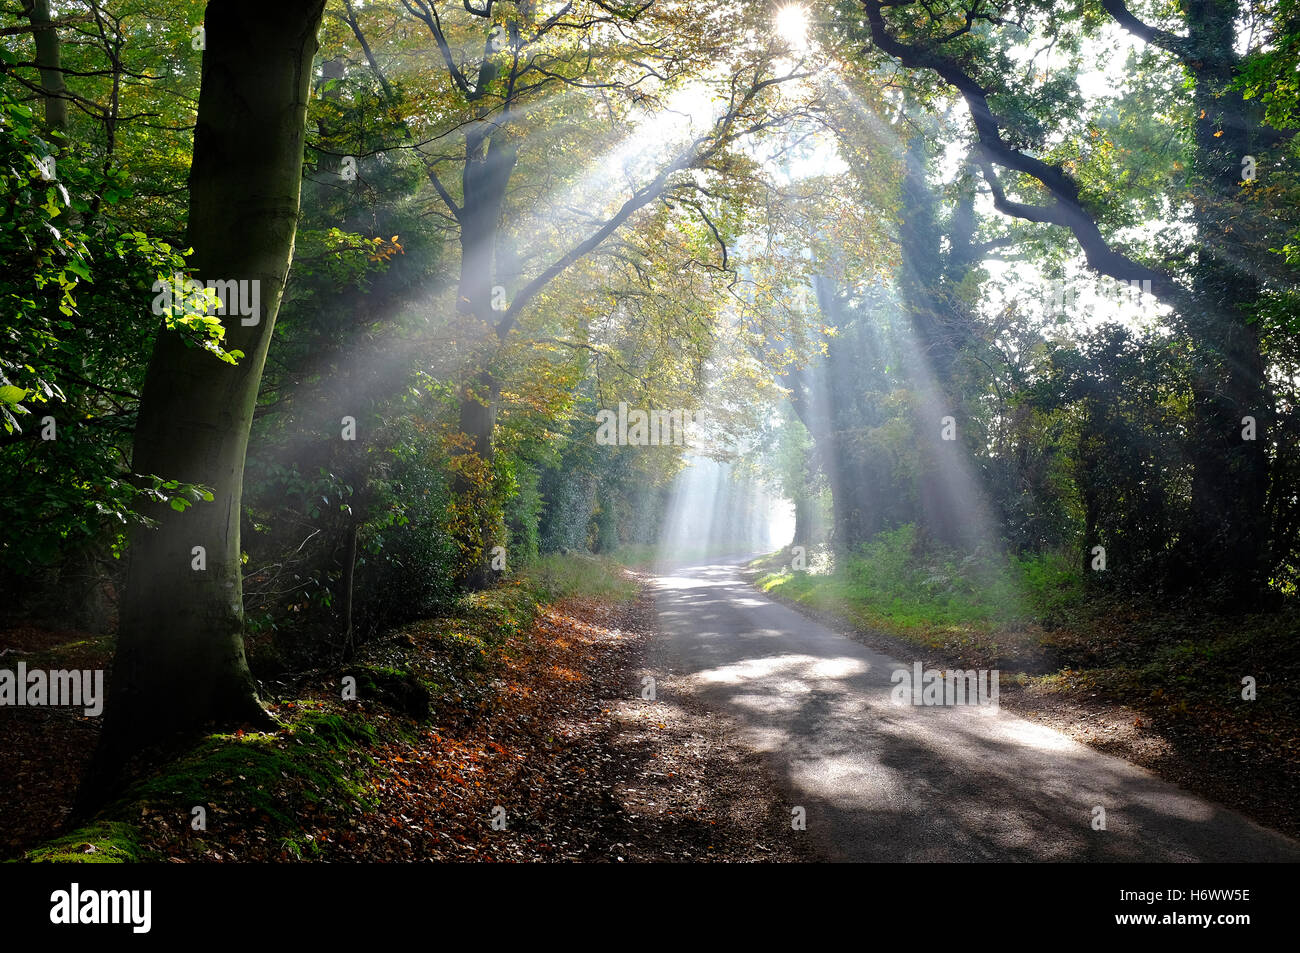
(893, 583)
(73, 331)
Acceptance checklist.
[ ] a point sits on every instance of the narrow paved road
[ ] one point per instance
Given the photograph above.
(886, 782)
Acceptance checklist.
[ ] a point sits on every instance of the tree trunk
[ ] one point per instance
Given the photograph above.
(803, 522)
(490, 162)
(347, 583)
(472, 484)
(48, 61)
(1230, 474)
(180, 660)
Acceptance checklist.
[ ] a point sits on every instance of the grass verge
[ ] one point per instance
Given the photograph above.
(1186, 667)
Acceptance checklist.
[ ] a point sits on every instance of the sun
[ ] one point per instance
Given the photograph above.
(792, 25)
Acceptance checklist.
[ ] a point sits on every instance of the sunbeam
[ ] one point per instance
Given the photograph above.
(652, 432)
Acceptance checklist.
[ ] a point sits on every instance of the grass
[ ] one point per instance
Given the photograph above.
(1036, 619)
(587, 577)
(936, 599)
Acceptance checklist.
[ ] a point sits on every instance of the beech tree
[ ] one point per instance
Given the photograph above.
(180, 657)
(502, 66)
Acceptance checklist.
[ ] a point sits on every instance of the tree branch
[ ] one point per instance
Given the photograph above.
(1179, 46)
(1066, 210)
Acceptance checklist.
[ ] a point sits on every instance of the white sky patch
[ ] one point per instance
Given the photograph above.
(792, 25)
(1081, 301)
(1092, 300)
(1104, 59)
(822, 159)
(687, 112)
(1109, 80)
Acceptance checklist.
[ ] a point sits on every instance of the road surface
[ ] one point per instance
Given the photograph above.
(881, 781)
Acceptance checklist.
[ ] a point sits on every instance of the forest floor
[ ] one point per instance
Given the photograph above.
(536, 744)
(527, 709)
(1159, 686)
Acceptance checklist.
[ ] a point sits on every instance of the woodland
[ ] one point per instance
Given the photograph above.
(318, 319)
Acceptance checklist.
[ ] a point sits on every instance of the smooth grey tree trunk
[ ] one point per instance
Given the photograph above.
(180, 660)
(48, 61)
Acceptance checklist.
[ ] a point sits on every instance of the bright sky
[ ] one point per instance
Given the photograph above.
(792, 25)
(691, 109)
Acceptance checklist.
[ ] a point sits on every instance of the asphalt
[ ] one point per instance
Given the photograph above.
(883, 781)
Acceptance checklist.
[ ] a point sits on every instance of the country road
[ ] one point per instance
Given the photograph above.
(881, 781)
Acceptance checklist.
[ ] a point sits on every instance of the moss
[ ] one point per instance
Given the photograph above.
(319, 757)
(309, 760)
(102, 842)
(397, 688)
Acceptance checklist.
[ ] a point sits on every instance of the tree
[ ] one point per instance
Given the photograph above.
(510, 73)
(180, 658)
(47, 60)
(1214, 287)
